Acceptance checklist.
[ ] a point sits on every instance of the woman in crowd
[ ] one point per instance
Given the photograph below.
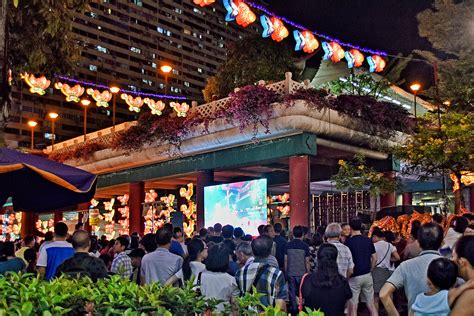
(30, 258)
(316, 241)
(8, 261)
(412, 248)
(193, 263)
(453, 234)
(325, 289)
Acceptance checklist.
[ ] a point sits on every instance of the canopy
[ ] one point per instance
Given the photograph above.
(38, 184)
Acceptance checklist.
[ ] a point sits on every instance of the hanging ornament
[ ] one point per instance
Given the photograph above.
(187, 193)
(180, 108)
(150, 196)
(203, 3)
(305, 41)
(267, 26)
(72, 94)
(354, 58)
(134, 104)
(101, 99)
(123, 199)
(333, 51)
(273, 27)
(245, 15)
(156, 107)
(37, 85)
(376, 63)
(232, 10)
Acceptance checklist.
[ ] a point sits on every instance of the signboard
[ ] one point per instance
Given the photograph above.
(94, 217)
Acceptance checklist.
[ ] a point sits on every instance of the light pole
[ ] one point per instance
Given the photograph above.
(53, 116)
(415, 87)
(32, 124)
(114, 91)
(166, 69)
(85, 103)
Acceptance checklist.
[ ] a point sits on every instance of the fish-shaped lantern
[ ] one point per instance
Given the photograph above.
(73, 94)
(376, 63)
(305, 41)
(180, 108)
(333, 51)
(354, 58)
(232, 9)
(37, 85)
(134, 104)
(245, 17)
(101, 98)
(203, 3)
(273, 27)
(156, 107)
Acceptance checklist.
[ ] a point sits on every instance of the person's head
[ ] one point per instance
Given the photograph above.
(260, 229)
(333, 231)
(316, 240)
(463, 256)
(461, 224)
(278, 227)
(48, 236)
(121, 243)
(81, 241)
(163, 237)
(298, 232)
(227, 231)
(60, 230)
(327, 273)
(136, 256)
(134, 241)
(377, 235)
(29, 241)
(415, 228)
(442, 274)
(218, 258)
(238, 233)
(262, 247)
(148, 242)
(178, 234)
(197, 250)
(94, 244)
(243, 252)
(469, 217)
(269, 231)
(217, 229)
(437, 218)
(355, 223)
(79, 226)
(430, 236)
(203, 233)
(389, 236)
(210, 231)
(30, 255)
(247, 237)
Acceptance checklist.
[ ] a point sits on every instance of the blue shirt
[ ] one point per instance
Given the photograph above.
(362, 249)
(432, 305)
(12, 265)
(52, 255)
(176, 248)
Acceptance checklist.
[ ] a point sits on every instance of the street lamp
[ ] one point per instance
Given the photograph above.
(85, 103)
(166, 69)
(415, 87)
(32, 124)
(114, 91)
(53, 116)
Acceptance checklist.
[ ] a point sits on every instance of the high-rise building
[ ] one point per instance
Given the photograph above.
(125, 42)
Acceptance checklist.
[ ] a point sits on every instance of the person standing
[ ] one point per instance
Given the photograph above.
(464, 259)
(54, 253)
(346, 232)
(122, 264)
(280, 245)
(193, 263)
(136, 255)
(296, 264)
(365, 258)
(27, 243)
(216, 236)
(8, 261)
(345, 264)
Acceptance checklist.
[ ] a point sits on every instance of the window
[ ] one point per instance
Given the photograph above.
(132, 88)
(168, 33)
(176, 72)
(93, 68)
(188, 32)
(138, 2)
(148, 82)
(199, 70)
(101, 49)
(135, 50)
(186, 84)
(178, 10)
(159, 30)
(153, 65)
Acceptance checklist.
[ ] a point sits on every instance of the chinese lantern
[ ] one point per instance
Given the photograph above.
(376, 63)
(305, 41)
(333, 51)
(354, 58)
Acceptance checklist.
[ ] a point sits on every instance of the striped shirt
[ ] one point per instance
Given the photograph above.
(122, 265)
(344, 257)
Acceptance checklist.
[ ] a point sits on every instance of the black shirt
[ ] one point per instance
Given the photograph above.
(83, 264)
(216, 239)
(362, 249)
(280, 250)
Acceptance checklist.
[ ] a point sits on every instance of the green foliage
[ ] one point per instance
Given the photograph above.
(356, 175)
(361, 85)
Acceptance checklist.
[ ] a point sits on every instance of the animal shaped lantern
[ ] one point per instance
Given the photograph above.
(134, 104)
(101, 98)
(73, 94)
(305, 41)
(37, 85)
(273, 27)
(203, 3)
(156, 107)
(376, 63)
(354, 58)
(180, 108)
(333, 51)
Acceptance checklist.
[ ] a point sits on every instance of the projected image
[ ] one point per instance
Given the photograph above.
(240, 204)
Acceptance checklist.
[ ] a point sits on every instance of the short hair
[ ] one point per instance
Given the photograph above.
(123, 241)
(238, 232)
(217, 228)
(247, 237)
(461, 224)
(356, 223)
(430, 236)
(78, 226)
(30, 255)
(443, 273)
(378, 232)
(227, 231)
(149, 242)
(278, 227)
(298, 231)
(267, 228)
(218, 258)
(163, 236)
(81, 239)
(137, 253)
(389, 236)
(60, 229)
(345, 224)
(245, 248)
(262, 246)
(260, 229)
(465, 248)
(48, 236)
(469, 216)
(168, 226)
(203, 233)
(333, 230)
(28, 239)
(316, 240)
(438, 218)
(177, 230)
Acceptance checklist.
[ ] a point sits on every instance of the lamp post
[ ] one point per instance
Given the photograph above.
(166, 69)
(53, 116)
(415, 87)
(32, 124)
(85, 103)
(114, 91)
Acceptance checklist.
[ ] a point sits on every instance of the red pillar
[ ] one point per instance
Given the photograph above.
(204, 178)
(58, 216)
(471, 199)
(81, 208)
(388, 199)
(28, 223)
(137, 197)
(299, 190)
(407, 198)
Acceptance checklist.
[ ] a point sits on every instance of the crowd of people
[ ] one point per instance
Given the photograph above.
(333, 269)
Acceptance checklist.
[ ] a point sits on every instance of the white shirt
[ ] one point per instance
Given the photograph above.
(196, 267)
(384, 251)
(451, 238)
(219, 285)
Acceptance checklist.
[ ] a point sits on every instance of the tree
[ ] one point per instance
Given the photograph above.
(249, 60)
(435, 149)
(362, 85)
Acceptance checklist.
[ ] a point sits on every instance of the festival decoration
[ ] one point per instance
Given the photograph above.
(332, 51)
(108, 217)
(402, 224)
(45, 226)
(376, 63)
(150, 196)
(284, 210)
(123, 199)
(134, 104)
(156, 107)
(354, 58)
(187, 192)
(37, 85)
(189, 210)
(245, 17)
(273, 27)
(72, 94)
(305, 41)
(94, 203)
(125, 214)
(232, 10)
(180, 108)
(10, 225)
(203, 3)
(101, 98)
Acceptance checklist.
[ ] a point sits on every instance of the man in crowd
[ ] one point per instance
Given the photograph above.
(464, 259)
(83, 264)
(79, 226)
(280, 245)
(217, 234)
(203, 234)
(122, 264)
(27, 243)
(175, 246)
(238, 235)
(268, 280)
(148, 243)
(227, 234)
(346, 232)
(412, 274)
(136, 255)
(345, 264)
(161, 264)
(244, 254)
(365, 259)
(296, 264)
(54, 253)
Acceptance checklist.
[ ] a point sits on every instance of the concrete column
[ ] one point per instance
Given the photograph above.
(388, 199)
(299, 190)
(204, 178)
(137, 197)
(28, 223)
(407, 198)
